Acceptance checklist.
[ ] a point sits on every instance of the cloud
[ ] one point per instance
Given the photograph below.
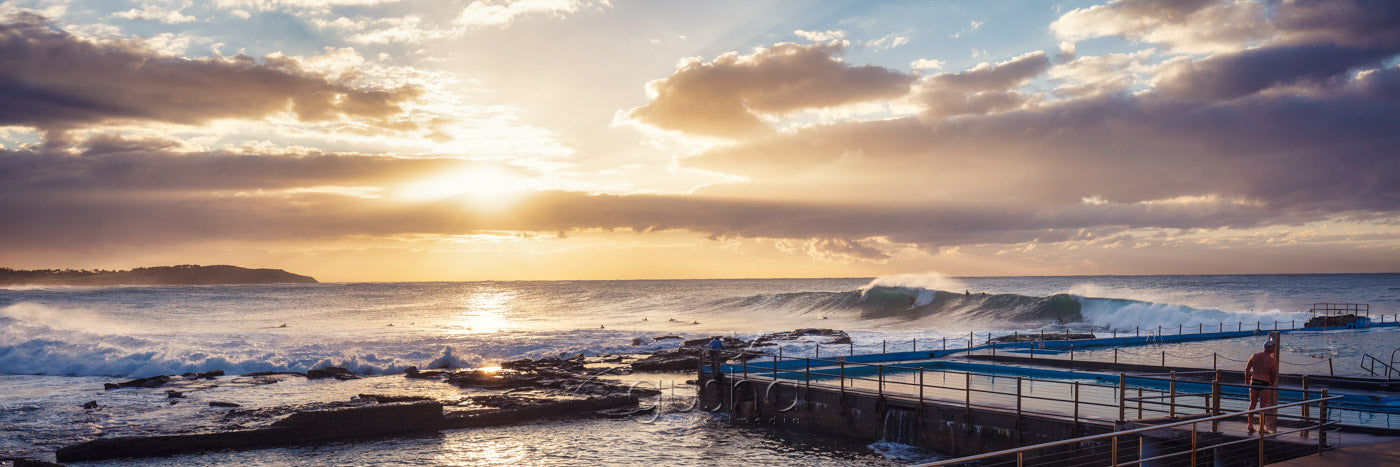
(165, 12)
(1188, 26)
(981, 89)
(1216, 26)
(927, 64)
(887, 42)
(1247, 72)
(1101, 74)
(502, 13)
(820, 36)
(727, 96)
(51, 79)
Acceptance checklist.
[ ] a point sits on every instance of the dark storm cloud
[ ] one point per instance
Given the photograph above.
(52, 79)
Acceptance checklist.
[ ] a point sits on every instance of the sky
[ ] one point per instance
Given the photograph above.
(407, 140)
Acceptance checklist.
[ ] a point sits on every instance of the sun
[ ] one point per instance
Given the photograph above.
(481, 184)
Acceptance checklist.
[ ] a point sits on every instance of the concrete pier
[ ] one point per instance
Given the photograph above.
(963, 429)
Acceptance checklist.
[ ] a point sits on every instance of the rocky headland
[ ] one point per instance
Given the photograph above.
(162, 275)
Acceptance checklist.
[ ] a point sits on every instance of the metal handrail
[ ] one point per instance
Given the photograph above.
(1389, 367)
(1134, 431)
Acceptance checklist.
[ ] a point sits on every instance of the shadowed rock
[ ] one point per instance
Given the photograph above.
(331, 372)
(298, 428)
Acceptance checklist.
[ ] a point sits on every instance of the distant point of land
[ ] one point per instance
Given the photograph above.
(188, 274)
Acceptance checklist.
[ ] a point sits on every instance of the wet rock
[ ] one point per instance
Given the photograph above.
(414, 372)
(173, 394)
(547, 409)
(484, 379)
(336, 372)
(669, 360)
(89, 405)
(729, 342)
(151, 382)
(224, 404)
(298, 428)
(837, 336)
(547, 364)
(205, 375)
(22, 462)
(383, 399)
(274, 373)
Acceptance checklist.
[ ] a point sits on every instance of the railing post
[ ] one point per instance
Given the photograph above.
(808, 375)
(1215, 403)
(819, 351)
(1114, 451)
(1137, 332)
(1115, 355)
(746, 365)
(1018, 402)
(853, 347)
(884, 347)
(1193, 445)
(915, 345)
(1322, 422)
(969, 343)
(775, 365)
(1261, 438)
(1306, 416)
(921, 386)
(967, 395)
(1329, 367)
(1164, 359)
(1071, 352)
(1214, 361)
(945, 342)
(843, 379)
(1139, 399)
(1076, 409)
(881, 379)
(1122, 404)
(1171, 392)
(1178, 329)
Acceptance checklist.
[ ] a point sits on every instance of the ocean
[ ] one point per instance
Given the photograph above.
(58, 345)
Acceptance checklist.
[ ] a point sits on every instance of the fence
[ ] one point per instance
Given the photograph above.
(993, 340)
(1151, 447)
(1079, 401)
(1165, 394)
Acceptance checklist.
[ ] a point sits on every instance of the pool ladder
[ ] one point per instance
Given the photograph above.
(1369, 362)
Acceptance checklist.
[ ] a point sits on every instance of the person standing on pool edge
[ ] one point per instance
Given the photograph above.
(716, 350)
(1260, 372)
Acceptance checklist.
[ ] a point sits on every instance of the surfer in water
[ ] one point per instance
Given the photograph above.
(1260, 373)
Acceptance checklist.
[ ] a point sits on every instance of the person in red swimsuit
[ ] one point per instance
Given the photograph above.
(1260, 373)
